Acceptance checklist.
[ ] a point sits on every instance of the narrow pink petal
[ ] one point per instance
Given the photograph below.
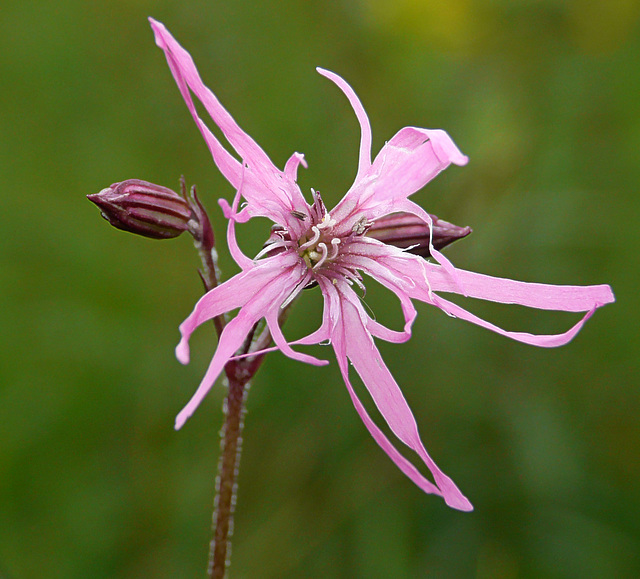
(281, 342)
(400, 461)
(232, 294)
(322, 334)
(352, 341)
(291, 167)
(186, 73)
(267, 189)
(377, 330)
(265, 296)
(231, 339)
(364, 157)
(542, 340)
(405, 164)
(567, 298)
(230, 213)
(359, 256)
(421, 280)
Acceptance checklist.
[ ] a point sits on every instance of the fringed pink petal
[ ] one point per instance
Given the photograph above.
(364, 157)
(232, 337)
(422, 280)
(231, 213)
(231, 294)
(266, 294)
(568, 298)
(378, 330)
(352, 341)
(541, 340)
(283, 345)
(400, 461)
(186, 74)
(358, 257)
(291, 167)
(265, 181)
(405, 164)
(322, 334)
(411, 159)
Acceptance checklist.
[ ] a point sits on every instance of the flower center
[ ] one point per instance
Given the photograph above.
(318, 246)
(321, 244)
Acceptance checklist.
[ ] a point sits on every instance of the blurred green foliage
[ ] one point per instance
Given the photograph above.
(543, 97)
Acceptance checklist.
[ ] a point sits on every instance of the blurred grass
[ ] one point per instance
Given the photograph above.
(93, 480)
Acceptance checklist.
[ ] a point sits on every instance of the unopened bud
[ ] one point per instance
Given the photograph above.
(144, 208)
(407, 231)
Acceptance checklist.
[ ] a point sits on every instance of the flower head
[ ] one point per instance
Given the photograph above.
(312, 245)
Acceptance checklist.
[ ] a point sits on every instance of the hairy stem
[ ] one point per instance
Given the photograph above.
(238, 375)
(226, 484)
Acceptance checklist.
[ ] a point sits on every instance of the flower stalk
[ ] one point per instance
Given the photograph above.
(234, 406)
(238, 374)
(226, 482)
(237, 379)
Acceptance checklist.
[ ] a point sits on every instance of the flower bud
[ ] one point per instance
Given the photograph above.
(407, 231)
(144, 208)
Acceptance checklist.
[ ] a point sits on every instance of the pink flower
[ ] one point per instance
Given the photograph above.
(330, 249)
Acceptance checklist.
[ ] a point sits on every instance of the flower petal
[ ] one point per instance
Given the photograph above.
(282, 344)
(542, 340)
(233, 293)
(400, 461)
(364, 254)
(266, 296)
(322, 334)
(364, 158)
(267, 189)
(405, 164)
(352, 341)
(568, 298)
(421, 280)
(231, 213)
(291, 166)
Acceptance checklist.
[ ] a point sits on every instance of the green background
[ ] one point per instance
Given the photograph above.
(94, 482)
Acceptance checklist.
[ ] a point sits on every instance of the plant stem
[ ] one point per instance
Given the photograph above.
(226, 485)
(238, 375)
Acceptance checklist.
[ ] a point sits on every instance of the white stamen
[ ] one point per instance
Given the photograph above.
(313, 240)
(326, 222)
(323, 250)
(334, 248)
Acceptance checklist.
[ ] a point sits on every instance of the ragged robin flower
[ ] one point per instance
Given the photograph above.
(331, 249)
